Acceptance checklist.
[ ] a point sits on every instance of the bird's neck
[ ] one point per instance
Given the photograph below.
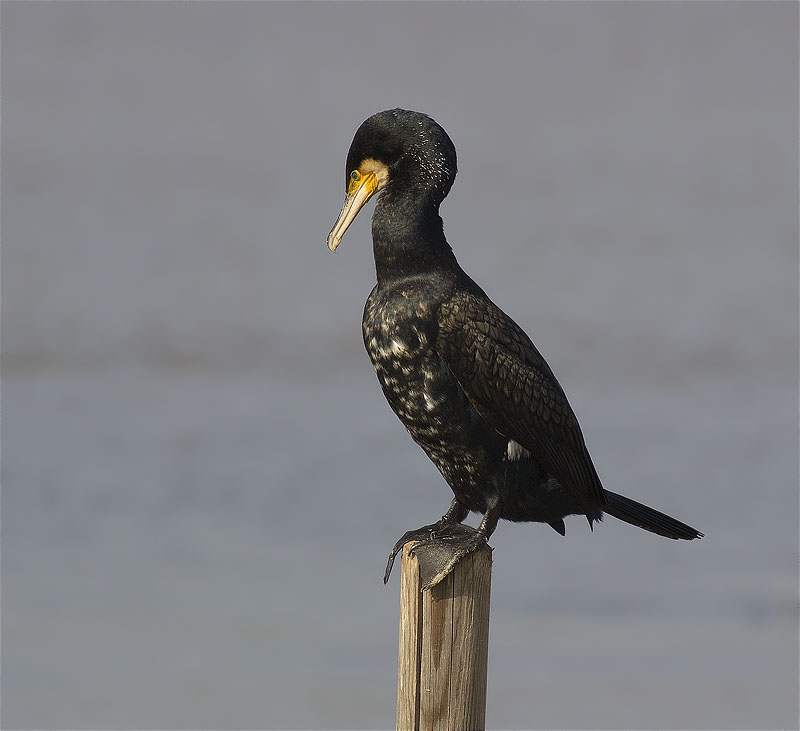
(408, 237)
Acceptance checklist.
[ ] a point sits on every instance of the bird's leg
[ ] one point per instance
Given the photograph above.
(454, 515)
(490, 519)
(440, 529)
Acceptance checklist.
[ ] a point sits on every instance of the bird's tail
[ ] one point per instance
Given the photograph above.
(635, 513)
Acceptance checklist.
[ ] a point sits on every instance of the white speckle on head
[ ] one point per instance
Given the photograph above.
(516, 451)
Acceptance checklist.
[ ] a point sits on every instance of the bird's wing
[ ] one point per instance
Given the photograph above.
(514, 390)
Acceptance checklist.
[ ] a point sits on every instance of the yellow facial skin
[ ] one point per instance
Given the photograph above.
(370, 177)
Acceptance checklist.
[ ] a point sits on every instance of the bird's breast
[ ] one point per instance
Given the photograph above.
(399, 337)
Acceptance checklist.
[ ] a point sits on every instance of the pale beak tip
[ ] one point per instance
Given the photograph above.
(333, 242)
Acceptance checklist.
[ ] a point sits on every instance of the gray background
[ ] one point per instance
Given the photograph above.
(201, 479)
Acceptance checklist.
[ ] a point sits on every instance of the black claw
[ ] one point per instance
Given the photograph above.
(387, 573)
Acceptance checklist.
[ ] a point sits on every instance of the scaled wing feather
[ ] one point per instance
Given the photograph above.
(513, 389)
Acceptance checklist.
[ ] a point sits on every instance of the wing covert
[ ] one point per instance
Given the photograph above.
(513, 388)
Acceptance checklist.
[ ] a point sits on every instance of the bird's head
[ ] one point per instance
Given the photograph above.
(396, 150)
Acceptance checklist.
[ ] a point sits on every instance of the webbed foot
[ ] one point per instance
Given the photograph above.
(438, 549)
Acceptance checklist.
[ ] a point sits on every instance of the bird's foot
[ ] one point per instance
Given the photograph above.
(426, 533)
(439, 547)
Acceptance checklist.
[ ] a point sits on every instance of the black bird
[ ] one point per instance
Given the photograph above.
(461, 375)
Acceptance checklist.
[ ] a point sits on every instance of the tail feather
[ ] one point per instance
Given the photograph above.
(640, 515)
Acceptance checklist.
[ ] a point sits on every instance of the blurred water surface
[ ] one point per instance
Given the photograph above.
(200, 478)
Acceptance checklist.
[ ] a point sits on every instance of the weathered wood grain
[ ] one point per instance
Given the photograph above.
(443, 649)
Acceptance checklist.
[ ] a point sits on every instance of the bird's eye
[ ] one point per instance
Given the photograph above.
(355, 176)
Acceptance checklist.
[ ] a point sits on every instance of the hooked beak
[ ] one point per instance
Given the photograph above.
(358, 193)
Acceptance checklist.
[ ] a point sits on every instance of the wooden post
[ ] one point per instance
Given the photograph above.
(444, 644)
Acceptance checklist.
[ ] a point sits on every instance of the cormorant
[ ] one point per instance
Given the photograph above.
(462, 376)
